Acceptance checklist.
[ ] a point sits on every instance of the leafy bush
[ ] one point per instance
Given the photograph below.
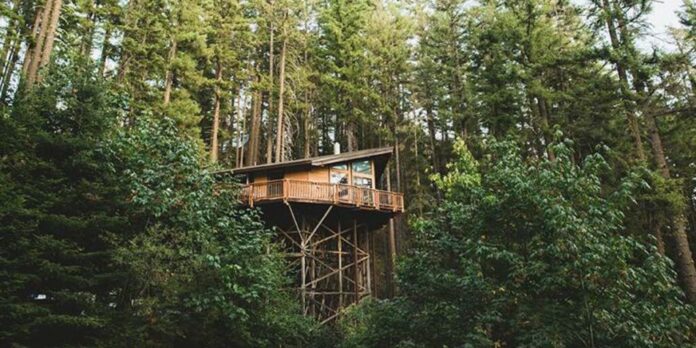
(115, 235)
(528, 254)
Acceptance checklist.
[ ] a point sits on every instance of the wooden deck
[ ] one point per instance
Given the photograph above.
(322, 193)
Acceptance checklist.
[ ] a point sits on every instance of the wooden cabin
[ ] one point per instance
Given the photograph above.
(347, 179)
(327, 211)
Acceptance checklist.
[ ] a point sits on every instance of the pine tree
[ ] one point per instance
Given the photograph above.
(56, 271)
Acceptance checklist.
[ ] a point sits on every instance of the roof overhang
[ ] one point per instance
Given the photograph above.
(380, 156)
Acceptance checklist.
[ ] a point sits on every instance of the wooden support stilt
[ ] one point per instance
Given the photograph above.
(356, 275)
(339, 243)
(369, 261)
(334, 260)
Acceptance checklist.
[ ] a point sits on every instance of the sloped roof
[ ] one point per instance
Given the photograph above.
(381, 156)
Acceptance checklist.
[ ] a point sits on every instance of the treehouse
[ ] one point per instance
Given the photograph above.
(326, 210)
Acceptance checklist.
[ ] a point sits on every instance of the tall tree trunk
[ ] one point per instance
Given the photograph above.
(242, 131)
(50, 37)
(106, 50)
(281, 118)
(39, 18)
(7, 46)
(216, 114)
(33, 58)
(430, 121)
(633, 126)
(169, 80)
(544, 119)
(684, 257)
(350, 136)
(269, 122)
(685, 260)
(253, 147)
(308, 109)
(9, 70)
(391, 247)
(307, 134)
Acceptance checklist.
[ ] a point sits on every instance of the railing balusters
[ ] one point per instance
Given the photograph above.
(287, 189)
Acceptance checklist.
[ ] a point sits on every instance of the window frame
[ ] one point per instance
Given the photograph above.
(370, 175)
(346, 172)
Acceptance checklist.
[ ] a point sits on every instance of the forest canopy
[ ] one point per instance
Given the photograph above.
(545, 149)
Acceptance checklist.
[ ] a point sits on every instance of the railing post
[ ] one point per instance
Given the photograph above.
(376, 197)
(251, 195)
(335, 193)
(285, 189)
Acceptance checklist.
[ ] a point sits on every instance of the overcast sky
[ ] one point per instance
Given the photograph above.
(663, 16)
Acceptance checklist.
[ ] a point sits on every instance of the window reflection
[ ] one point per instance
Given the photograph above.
(339, 178)
(362, 182)
(362, 167)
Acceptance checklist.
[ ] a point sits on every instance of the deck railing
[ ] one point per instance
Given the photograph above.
(318, 192)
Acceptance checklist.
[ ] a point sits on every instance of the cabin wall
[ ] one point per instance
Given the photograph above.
(260, 178)
(299, 175)
(315, 174)
(319, 174)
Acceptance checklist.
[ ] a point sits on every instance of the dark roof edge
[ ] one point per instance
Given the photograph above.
(316, 161)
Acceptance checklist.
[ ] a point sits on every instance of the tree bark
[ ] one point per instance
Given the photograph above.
(7, 46)
(216, 114)
(35, 30)
(544, 119)
(9, 70)
(633, 127)
(307, 133)
(430, 121)
(253, 147)
(50, 37)
(269, 123)
(11, 36)
(391, 247)
(350, 136)
(33, 57)
(281, 118)
(684, 257)
(241, 129)
(169, 80)
(106, 45)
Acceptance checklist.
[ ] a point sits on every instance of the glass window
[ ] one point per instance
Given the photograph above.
(339, 174)
(340, 167)
(362, 182)
(362, 167)
(339, 178)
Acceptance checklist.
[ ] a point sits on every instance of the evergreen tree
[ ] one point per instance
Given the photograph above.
(57, 274)
(528, 254)
(118, 237)
(344, 88)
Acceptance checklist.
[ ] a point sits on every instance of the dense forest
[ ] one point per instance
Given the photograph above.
(547, 154)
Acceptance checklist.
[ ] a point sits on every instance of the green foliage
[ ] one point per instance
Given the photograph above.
(55, 257)
(116, 236)
(528, 254)
(201, 272)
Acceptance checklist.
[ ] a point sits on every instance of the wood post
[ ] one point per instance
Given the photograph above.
(340, 266)
(356, 275)
(368, 262)
(333, 254)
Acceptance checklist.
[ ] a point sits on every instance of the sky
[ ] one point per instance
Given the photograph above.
(663, 16)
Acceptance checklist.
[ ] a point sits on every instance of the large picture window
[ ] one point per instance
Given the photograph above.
(362, 167)
(362, 173)
(339, 174)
